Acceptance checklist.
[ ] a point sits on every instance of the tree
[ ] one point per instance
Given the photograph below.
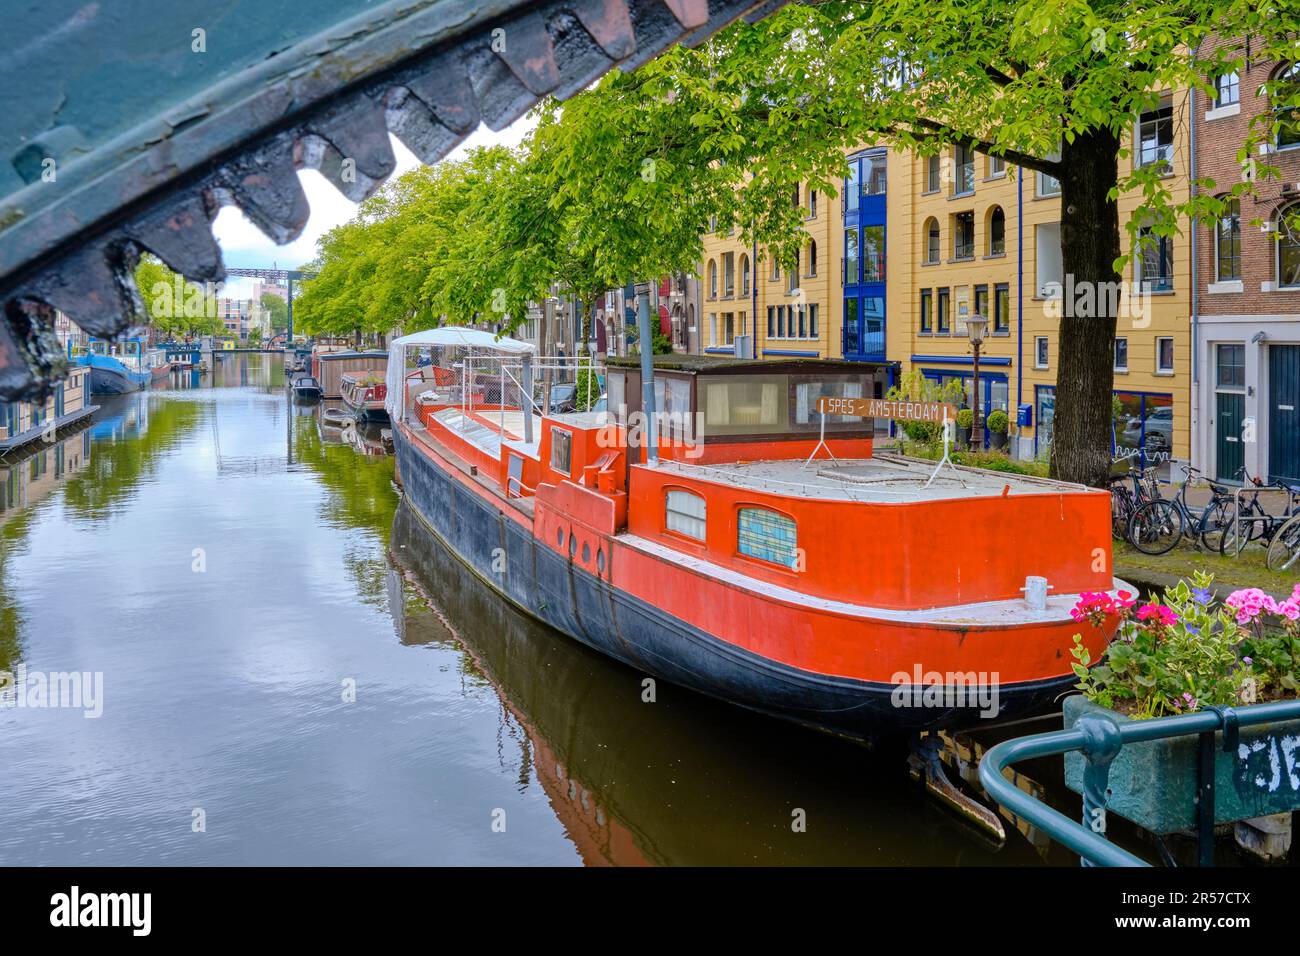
(730, 128)
(279, 310)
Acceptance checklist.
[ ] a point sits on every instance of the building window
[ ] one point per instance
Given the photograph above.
(982, 301)
(997, 167)
(771, 321)
(767, 536)
(963, 235)
(1288, 247)
(850, 257)
(1001, 307)
(997, 231)
(776, 269)
(1156, 136)
(684, 514)
(728, 274)
(812, 204)
(812, 258)
(1164, 354)
(1121, 354)
(1040, 351)
(729, 321)
(932, 177)
(1227, 242)
(873, 253)
(927, 308)
(932, 240)
(561, 450)
(713, 279)
(1156, 261)
(1285, 88)
(876, 176)
(1047, 185)
(963, 159)
(1231, 363)
(812, 320)
(1227, 89)
(792, 274)
(943, 311)
(852, 189)
(713, 329)
(744, 275)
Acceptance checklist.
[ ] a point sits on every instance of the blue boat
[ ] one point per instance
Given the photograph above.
(115, 367)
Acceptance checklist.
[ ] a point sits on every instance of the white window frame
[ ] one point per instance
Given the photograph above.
(1042, 352)
(687, 518)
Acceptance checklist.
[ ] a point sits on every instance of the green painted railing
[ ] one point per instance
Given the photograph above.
(1099, 739)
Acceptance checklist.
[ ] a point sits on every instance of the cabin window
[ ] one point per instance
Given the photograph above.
(767, 535)
(684, 514)
(745, 406)
(561, 449)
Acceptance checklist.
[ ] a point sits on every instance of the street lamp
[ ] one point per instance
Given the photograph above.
(975, 331)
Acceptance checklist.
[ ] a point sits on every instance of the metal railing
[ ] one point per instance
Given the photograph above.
(1099, 739)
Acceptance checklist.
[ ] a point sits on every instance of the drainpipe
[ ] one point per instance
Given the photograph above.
(1194, 433)
(647, 371)
(753, 289)
(1020, 303)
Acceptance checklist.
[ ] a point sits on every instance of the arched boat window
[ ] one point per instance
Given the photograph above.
(767, 535)
(685, 514)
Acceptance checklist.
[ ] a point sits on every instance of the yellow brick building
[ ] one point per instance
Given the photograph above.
(913, 245)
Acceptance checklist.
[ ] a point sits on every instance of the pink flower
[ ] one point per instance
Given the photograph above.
(1249, 603)
(1161, 615)
(1290, 609)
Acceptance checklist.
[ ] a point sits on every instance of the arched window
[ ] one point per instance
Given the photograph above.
(713, 279)
(997, 231)
(812, 257)
(932, 240)
(776, 269)
(792, 274)
(744, 274)
(1227, 243)
(1284, 88)
(812, 204)
(1288, 247)
(684, 514)
(767, 536)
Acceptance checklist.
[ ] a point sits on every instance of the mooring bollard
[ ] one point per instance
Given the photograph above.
(1036, 592)
(1103, 742)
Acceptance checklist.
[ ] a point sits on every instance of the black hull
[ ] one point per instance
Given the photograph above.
(550, 588)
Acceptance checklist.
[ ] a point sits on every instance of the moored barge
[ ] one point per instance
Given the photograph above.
(747, 548)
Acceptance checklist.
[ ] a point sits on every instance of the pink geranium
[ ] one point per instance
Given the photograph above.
(1250, 603)
(1157, 614)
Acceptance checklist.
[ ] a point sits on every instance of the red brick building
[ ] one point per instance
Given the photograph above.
(1246, 289)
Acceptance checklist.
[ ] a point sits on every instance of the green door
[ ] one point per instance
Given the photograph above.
(1283, 417)
(1230, 452)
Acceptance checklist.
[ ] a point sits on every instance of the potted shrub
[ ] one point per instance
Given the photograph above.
(965, 419)
(1178, 654)
(997, 426)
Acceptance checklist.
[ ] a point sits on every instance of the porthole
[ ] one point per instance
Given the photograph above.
(586, 553)
(559, 537)
(600, 560)
(573, 544)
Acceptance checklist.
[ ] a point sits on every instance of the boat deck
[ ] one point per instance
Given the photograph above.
(881, 479)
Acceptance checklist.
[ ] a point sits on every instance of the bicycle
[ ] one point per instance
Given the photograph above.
(1157, 526)
(1253, 523)
(1124, 502)
(1284, 549)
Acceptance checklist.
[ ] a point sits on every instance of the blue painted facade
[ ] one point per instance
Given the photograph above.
(863, 266)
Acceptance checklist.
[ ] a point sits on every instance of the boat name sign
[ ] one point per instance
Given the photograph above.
(887, 408)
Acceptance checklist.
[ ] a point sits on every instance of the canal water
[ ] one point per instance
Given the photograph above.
(295, 672)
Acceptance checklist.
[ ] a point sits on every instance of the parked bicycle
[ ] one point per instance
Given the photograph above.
(1125, 500)
(1157, 526)
(1279, 534)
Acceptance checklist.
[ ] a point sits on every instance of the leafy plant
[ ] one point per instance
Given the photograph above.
(998, 422)
(1183, 651)
(965, 418)
(913, 386)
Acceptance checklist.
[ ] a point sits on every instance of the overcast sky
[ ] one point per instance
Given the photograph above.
(245, 247)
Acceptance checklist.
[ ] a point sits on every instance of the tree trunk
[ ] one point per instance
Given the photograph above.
(1081, 447)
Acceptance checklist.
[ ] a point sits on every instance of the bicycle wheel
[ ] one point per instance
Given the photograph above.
(1284, 549)
(1156, 527)
(1216, 516)
(1121, 512)
(1236, 535)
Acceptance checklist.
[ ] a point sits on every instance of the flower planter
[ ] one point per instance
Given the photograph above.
(998, 440)
(1154, 784)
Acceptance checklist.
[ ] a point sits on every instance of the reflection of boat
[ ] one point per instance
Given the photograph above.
(24, 422)
(334, 417)
(734, 565)
(306, 389)
(363, 393)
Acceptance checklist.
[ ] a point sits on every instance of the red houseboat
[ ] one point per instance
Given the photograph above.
(746, 547)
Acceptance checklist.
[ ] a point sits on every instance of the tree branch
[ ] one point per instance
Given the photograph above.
(941, 131)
